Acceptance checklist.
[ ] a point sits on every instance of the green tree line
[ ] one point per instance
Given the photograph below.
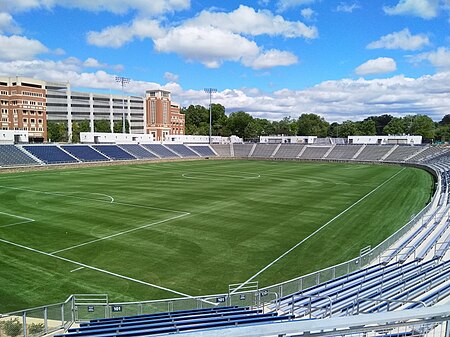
(244, 125)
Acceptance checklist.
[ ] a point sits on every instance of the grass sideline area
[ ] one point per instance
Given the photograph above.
(191, 227)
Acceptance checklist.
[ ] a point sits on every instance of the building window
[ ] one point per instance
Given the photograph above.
(25, 120)
(152, 112)
(165, 112)
(32, 121)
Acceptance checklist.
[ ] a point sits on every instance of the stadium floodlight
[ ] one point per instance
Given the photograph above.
(123, 81)
(210, 91)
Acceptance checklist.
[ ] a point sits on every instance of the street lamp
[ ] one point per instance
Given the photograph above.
(210, 91)
(123, 81)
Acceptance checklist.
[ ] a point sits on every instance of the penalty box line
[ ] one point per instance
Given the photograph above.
(120, 233)
(104, 271)
(316, 231)
(25, 220)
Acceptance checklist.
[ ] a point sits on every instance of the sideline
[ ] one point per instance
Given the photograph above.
(316, 231)
(26, 220)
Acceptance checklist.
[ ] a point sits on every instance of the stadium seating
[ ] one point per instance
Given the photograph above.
(373, 152)
(344, 152)
(11, 155)
(314, 152)
(223, 150)
(50, 154)
(161, 151)
(242, 150)
(138, 151)
(174, 322)
(84, 153)
(182, 150)
(289, 151)
(203, 150)
(264, 150)
(114, 152)
(401, 153)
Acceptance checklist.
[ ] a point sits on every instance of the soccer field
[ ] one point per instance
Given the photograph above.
(170, 229)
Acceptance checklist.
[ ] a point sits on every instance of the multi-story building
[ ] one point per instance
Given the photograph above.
(27, 104)
(23, 107)
(163, 116)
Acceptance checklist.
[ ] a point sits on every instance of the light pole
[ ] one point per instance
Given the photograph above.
(123, 81)
(210, 91)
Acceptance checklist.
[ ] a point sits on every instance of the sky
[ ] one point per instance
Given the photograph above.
(342, 60)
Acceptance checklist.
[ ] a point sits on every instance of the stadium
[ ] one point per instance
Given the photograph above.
(224, 240)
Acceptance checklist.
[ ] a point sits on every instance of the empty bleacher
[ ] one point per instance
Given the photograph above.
(428, 153)
(289, 151)
(314, 152)
(264, 150)
(344, 152)
(50, 154)
(161, 150)
(138, 151)
(174, 322)
(84, 153)
(114, 152)
(223, 150)
(182, 150)
(203, 150)
(242, 150)
(401, 153)
(11, 155)
(373, 152)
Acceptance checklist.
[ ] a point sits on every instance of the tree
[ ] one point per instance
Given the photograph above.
(102, 125)
(237, 124)
(118, 126)
(367, 127)
(348, 128)
(57, 131)
(380, 123)
(395, 127)
(422, 125)
(312, 125)
(445, 120)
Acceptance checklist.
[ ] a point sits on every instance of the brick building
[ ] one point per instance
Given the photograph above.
(23, 107)
(27, 104)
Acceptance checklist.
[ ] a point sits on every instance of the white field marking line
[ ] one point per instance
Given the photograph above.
(120, 233)
(99, 200)
(104, 271)
(102, 194)
(27, 220)
(186, 175)
(76, 269)
(316, 231)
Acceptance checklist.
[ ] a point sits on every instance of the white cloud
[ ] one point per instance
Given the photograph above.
(153, 7)
(245, 20)
(347, 7)
(272, 58)
(401, 40)
(208, 45)
(308, 13)
(20, 48)
(335, 100)
(439, 58)
(283, 5)
(381, 65)
(171, 77)
(7, 24)
(425, 9)
(117, 36)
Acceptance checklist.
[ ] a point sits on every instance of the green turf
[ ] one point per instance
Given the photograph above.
(208, 224)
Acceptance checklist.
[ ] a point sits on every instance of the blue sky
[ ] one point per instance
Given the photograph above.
(272, 58)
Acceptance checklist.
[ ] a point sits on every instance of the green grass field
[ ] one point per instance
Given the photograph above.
(190, 226)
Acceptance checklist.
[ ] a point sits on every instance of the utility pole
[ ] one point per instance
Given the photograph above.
(123, 81)
(210, 91)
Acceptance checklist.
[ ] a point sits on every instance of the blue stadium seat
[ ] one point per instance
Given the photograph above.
(203, 150)
(138, 151)
(161, 150)
(182, 150)
(84, 153)
(50, 154)
(11, 155)
(114, 152)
